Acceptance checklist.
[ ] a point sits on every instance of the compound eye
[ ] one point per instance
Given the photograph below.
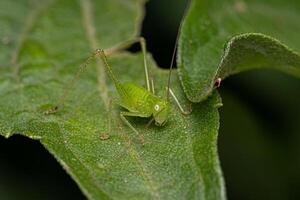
(156, 107)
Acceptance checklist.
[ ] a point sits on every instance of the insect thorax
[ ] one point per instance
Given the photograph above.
(140, 99)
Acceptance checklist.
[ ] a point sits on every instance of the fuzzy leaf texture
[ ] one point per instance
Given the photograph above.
(42, 45)
(255, 33)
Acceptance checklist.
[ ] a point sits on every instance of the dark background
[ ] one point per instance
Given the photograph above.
(259, 140)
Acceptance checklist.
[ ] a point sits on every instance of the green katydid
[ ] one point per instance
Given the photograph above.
(139, 101)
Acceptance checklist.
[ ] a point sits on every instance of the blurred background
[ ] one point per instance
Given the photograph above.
(259, 138)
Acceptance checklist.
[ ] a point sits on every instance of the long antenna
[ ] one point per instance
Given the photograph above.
(174, 51)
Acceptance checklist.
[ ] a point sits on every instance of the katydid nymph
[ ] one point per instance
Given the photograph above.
(140, 101)
(137, 100)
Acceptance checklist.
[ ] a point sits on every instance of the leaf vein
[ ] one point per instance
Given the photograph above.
(89, 171)
(143, 171)
(28, 25)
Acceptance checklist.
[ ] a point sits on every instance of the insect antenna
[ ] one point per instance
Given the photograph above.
(171, 66)
(174, 52)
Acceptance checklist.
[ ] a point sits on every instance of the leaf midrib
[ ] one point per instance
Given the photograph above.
(89, 27)
(29, 22)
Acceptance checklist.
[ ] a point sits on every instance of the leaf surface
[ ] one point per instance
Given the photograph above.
(43, 44)
(247, 29)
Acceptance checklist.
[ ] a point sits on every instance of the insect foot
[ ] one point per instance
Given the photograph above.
(50, 110)
(184, 112)
(142, 139)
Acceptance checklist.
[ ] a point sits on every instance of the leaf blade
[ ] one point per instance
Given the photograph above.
(209, 25)
(171, 165)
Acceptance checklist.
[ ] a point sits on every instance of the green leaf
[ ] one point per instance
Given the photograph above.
(43, 44)
(245, 24)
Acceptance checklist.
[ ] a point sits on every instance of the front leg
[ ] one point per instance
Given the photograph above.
(184, 112)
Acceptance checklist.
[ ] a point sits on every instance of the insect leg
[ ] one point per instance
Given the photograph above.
(109, 117)
(69, 87)
(178, 103)
(144, 51)
(152, 86)
(153, 92)
(142, 43)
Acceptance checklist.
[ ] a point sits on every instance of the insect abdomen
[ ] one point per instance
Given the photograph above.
(137, 98)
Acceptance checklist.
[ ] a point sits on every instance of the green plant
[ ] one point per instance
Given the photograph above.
(43, 44)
